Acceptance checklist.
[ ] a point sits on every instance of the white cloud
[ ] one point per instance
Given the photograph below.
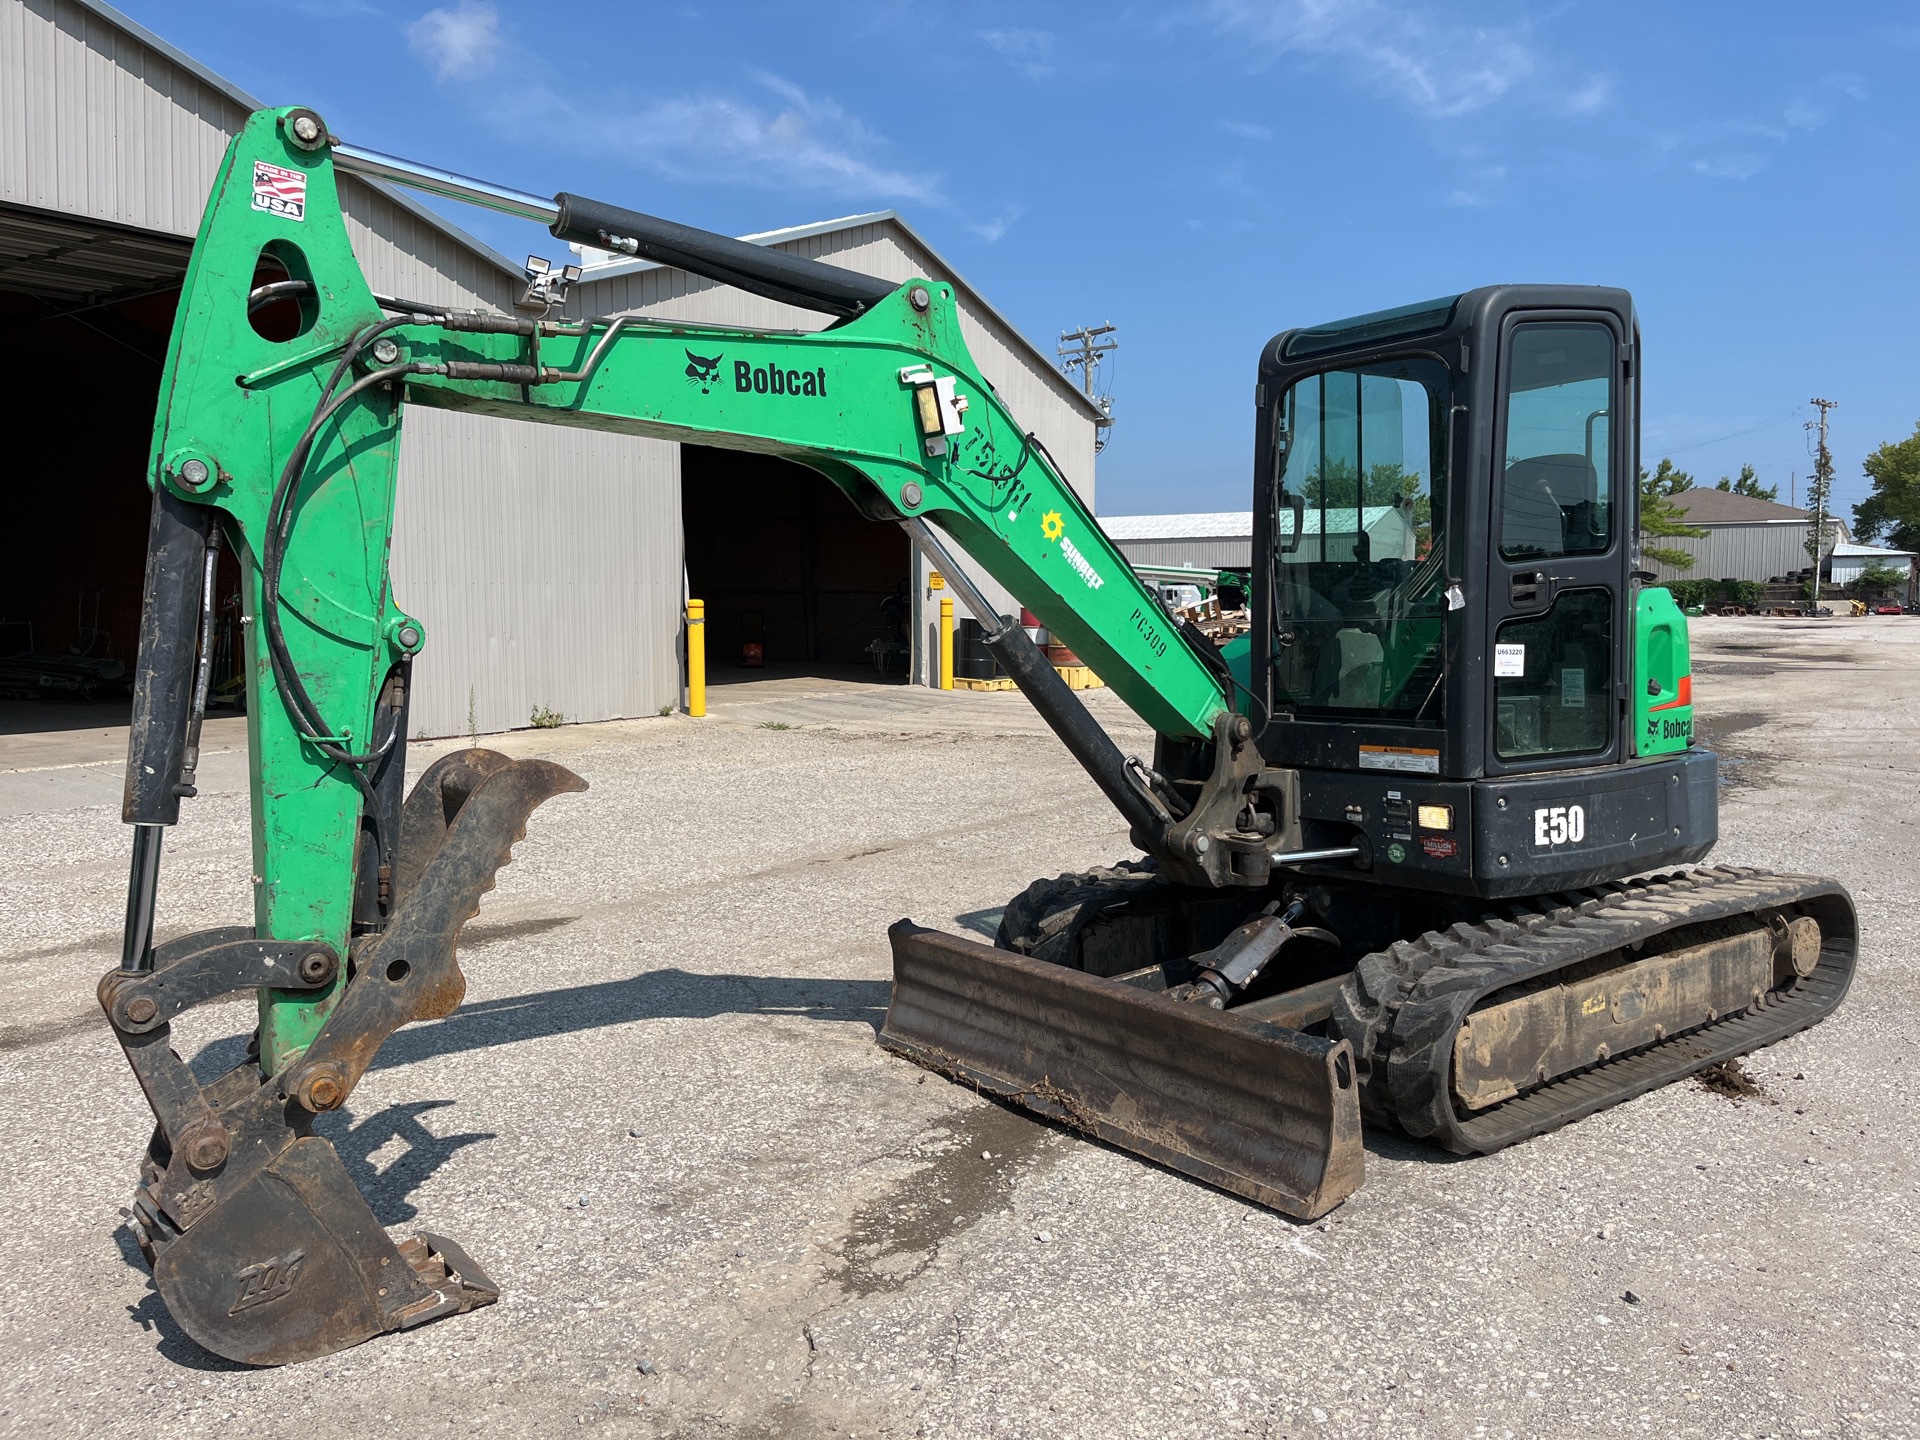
(1480, 188)
(1589, 99)
(1029, 51)
(1246, 130)
(798, 142)
(1813, 107)
(1436, 66)
(461, 42)
(991, 230)
(1732, 165)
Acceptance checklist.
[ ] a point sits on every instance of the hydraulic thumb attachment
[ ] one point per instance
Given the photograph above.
(261, 1246)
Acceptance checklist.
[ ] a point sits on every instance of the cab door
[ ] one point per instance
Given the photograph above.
(1557, 560)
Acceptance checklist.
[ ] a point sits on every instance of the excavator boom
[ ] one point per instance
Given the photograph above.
(282, 442)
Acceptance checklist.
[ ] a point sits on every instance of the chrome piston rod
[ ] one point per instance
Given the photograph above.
(445, 183)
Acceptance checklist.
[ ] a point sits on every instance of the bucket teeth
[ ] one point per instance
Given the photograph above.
(433, 805)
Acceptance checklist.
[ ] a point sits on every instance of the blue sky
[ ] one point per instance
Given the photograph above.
(1204, 175)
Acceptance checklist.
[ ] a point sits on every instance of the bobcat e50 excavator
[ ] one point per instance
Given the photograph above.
(1388, 833)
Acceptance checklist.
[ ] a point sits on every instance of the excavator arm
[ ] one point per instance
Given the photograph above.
(278, 435)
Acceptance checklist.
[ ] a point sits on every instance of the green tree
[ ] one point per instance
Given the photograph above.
(1747, 482)
(1661, 518)
(1893, 509)
(1877, 579)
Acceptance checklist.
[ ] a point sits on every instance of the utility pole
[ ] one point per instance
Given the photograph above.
(1819, 490)
(1082, 350)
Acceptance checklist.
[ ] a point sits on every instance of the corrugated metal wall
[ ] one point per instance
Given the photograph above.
(1029, 387)
(1200, 552)
(1738, 552)
(545, 563)
(95, 123)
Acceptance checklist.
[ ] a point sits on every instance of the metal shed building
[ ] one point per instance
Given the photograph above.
(1747, 538)
(1218, 538)
(547, 563)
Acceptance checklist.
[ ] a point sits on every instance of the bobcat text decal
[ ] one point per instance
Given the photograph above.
(772, 380)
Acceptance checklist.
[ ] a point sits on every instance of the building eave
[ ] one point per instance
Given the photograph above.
(174, 55)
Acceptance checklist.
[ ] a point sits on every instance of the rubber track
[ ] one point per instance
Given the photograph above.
(1404, 1005)
(1046, 918)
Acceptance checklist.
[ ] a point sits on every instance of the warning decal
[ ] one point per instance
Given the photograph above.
(280, 191)
(1416, 759)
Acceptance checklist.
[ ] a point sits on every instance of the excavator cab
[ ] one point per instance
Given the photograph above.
(1447, 600)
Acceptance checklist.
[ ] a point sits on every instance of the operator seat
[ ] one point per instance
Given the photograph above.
(1542, 494)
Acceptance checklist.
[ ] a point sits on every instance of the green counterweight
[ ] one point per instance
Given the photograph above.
(890, 406)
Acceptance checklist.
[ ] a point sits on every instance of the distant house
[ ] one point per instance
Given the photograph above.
(1753, 539)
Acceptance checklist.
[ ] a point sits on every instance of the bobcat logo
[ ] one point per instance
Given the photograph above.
(267, 1280)
(703, 371)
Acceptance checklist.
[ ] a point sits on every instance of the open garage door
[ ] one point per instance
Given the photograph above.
(787, 565)
(86, 310)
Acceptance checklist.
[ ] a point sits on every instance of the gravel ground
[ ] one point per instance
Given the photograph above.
(717, 1208)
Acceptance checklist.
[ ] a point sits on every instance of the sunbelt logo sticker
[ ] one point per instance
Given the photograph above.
(1054, 528)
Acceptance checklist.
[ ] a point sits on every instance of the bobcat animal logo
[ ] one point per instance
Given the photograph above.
(703, 371)
(267, 1280)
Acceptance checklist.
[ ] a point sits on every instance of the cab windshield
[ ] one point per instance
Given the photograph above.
(1360, 589)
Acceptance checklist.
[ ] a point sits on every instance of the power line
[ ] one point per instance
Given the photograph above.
(1720, 439)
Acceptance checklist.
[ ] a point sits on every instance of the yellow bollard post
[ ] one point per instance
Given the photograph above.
(696, 658)
(946, 642)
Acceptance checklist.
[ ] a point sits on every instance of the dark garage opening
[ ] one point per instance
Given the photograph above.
(784, 561)
(85, 310)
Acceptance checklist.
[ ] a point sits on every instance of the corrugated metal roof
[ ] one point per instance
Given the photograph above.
(1846, 548)
(1730, 507)
(1207, 525)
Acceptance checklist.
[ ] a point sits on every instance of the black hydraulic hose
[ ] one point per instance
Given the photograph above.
(203, 672)
(143, 888)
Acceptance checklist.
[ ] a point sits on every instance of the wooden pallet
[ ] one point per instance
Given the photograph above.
(1078, 677)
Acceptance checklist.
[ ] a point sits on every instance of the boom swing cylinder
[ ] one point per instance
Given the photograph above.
(1227, 1010)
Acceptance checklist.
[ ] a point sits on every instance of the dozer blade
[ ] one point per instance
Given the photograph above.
(261, 1246)
(1265, 1112)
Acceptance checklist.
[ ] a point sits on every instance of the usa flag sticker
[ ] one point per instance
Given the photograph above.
(280, 192)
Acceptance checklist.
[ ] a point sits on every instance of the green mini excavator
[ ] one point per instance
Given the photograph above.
(1421, 847)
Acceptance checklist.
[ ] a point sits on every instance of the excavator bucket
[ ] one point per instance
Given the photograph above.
(1257, 1109)
(261, 1246)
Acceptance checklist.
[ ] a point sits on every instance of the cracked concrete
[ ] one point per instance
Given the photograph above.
(718, 1209)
